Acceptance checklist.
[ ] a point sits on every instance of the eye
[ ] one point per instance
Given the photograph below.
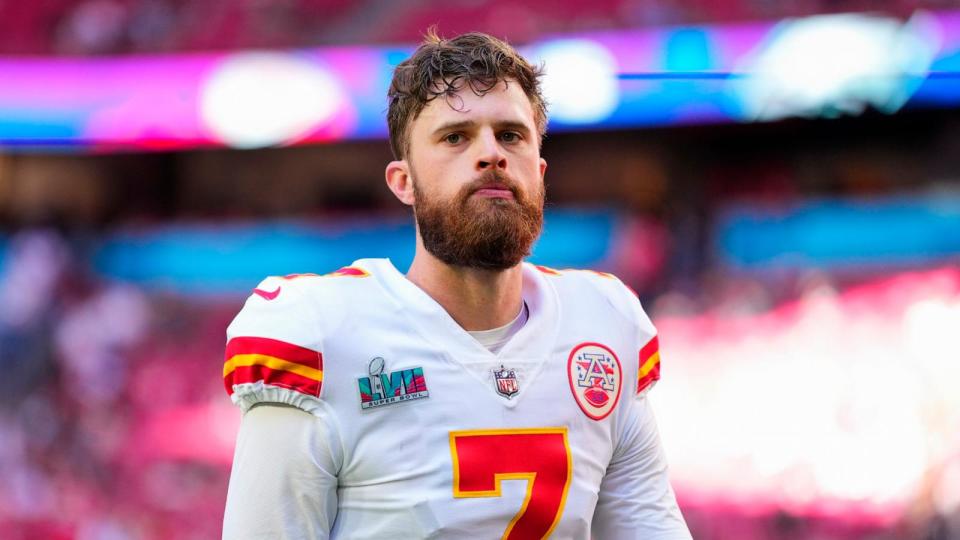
(453, 138)
(510, 136)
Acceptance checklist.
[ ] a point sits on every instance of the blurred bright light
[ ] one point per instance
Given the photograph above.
(580, 84)
(595, 80)
(831, 64)
(839, 403)
(253, 100)
(946, 494)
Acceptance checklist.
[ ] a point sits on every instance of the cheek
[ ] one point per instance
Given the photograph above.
(433, 180)
(446, 174)
(528, 159)
(530, 171)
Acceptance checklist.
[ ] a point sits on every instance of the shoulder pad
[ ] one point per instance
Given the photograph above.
(624, 300)
(607, 285)
(273, 351)
(274, 348)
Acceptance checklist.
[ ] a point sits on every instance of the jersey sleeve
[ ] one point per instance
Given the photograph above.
(648, 347)
(274, 349)
(646, 342)
(284, 479)
(635, 499)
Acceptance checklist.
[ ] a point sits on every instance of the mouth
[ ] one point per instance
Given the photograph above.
(494, 190)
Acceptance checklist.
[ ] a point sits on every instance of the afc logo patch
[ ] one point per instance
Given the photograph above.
(596, 379)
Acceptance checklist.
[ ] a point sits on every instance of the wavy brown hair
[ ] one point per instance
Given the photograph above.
(441, 67)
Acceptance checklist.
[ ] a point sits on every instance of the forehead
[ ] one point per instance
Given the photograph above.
(505, 102)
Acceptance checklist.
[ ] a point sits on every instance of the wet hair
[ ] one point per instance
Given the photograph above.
(441, 67)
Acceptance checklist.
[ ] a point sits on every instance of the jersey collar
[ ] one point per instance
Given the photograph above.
(532, 342)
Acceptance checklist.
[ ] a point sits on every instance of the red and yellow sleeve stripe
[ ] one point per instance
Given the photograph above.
(275, 362)
(350, 271)
(649, 371)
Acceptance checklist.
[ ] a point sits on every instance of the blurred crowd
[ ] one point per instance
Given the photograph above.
(97, 377)
(113, 420)
(115, 425)
(87, 27)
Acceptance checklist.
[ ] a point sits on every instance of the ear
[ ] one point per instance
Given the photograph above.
(543, 168)
(399, 181)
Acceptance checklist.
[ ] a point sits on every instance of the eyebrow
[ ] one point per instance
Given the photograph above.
(468, 124)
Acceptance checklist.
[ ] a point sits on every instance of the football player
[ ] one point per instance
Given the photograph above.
(475, 396)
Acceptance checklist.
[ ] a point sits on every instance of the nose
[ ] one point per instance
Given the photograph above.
(490, 154)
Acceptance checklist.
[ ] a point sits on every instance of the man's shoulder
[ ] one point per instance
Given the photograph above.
(577, 275)
(352, 277)
(591, 295)
(588, 285)
(327, 295)
(599, 294)
(275, 344)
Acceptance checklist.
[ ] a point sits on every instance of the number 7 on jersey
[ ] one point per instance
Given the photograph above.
(541, 456)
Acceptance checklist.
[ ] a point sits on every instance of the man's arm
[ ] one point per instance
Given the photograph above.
(636, 500)
(284, 479)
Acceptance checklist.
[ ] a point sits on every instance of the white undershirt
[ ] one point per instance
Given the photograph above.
(494, 340)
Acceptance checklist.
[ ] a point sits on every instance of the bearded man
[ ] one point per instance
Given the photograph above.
(477, 396)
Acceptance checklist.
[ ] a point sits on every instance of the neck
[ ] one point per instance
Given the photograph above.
(476, 299)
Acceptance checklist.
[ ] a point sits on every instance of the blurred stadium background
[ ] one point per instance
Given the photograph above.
(780, 182)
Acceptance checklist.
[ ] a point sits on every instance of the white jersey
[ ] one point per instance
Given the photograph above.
(415, 430)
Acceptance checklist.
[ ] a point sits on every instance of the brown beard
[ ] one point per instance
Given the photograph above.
(480, 232)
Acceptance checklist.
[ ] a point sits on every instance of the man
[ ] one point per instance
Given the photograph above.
(475, 397)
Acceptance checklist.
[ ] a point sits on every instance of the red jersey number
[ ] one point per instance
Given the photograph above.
(541, 456)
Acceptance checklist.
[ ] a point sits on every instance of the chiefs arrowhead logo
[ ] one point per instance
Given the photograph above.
(267, 295)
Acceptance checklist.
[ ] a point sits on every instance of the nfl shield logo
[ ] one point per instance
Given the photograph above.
(506, 379)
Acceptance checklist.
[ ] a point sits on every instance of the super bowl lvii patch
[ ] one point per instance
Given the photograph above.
(386, 388)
